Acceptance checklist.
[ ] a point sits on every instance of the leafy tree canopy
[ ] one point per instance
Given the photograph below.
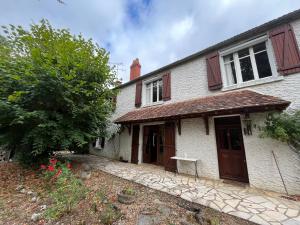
(55, 90)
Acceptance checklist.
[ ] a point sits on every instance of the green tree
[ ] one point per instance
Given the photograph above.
(55, 90)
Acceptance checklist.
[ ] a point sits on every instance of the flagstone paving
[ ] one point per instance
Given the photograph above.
(248, 203)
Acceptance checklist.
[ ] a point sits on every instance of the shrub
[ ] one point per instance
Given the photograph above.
(283, 127)
(66, 190)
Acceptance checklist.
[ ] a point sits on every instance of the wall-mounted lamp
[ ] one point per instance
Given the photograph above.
(247, 124)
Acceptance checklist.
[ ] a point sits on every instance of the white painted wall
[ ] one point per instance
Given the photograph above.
(194, 142)
(262, 169)
(188, 81)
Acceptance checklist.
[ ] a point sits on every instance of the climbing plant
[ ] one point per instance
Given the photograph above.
(284, 127)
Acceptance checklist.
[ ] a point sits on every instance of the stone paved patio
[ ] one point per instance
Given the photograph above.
(251, 204)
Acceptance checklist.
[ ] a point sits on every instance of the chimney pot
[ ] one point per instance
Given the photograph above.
(135, 69)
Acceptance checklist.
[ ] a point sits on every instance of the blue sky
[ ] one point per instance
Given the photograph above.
(158, 32)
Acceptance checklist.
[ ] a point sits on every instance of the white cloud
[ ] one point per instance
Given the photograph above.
(181, 28)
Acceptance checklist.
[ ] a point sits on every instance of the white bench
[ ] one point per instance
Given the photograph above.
(194, 160)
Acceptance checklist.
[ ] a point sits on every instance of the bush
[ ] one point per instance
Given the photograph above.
(55, 91)
(65, 189)
(284, 127)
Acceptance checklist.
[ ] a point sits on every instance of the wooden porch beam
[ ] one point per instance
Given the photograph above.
(179, 126)
(129, 128)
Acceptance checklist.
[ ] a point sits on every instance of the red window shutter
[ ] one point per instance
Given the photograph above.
(214, 78)
(170, 147)
(286, 49)
(138, 93)
(166, 95)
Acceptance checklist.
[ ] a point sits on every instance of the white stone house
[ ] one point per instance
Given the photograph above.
(211, 106)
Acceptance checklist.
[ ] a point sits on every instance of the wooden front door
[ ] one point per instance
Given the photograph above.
(135, 144)
(231, 152)
(170, 164)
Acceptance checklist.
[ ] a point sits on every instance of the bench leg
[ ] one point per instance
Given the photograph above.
(196, 171)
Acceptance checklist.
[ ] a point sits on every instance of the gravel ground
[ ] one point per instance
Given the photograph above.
(161, 208)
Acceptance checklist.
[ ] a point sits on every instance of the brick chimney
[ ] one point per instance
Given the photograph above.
(135, 69)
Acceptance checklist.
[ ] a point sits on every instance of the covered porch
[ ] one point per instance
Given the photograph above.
(211, 129)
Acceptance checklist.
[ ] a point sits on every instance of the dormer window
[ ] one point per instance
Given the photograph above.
(248, 62)
(154, 92)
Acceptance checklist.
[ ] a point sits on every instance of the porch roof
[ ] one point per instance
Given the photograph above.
(244, 101)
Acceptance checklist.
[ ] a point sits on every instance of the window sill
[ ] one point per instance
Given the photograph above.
(154, 104)
(253, 83)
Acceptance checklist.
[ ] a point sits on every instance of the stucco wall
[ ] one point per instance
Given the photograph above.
(119, 146)
(194, 142)
(262, 169)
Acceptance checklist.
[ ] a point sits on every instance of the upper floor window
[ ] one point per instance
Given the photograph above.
(154, 92)
(247, 64)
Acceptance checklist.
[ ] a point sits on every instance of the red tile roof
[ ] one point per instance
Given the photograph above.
(221, 104)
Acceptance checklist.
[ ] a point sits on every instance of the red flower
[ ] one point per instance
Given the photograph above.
(43, 167)
(51, 168)
(69, 166)
(53, 161)
(58, 173)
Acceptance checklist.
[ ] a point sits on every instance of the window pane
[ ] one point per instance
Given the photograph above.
(159, 90)
(230, 73)
(263, 64)
(228, 58)
(223, 139)
(154, 89)
(259, 47)
(246, 69)
(243, 52)
(235, 139)
(148, 93)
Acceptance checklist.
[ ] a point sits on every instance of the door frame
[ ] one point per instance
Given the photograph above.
(246, 178)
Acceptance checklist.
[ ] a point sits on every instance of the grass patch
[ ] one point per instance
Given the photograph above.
(110, 214)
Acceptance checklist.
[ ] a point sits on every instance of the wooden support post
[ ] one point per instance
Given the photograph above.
(179, 126)
(129, 128)
(205, 118)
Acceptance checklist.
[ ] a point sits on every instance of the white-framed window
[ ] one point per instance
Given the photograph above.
(250, 62)
(154, 91)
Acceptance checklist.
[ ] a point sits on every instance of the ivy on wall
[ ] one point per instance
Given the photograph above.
(284, 127)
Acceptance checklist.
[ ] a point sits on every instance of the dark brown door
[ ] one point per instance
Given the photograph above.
(169, 151)
(135, 144)
(160, 146)
(147, 142)
(231, 152)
